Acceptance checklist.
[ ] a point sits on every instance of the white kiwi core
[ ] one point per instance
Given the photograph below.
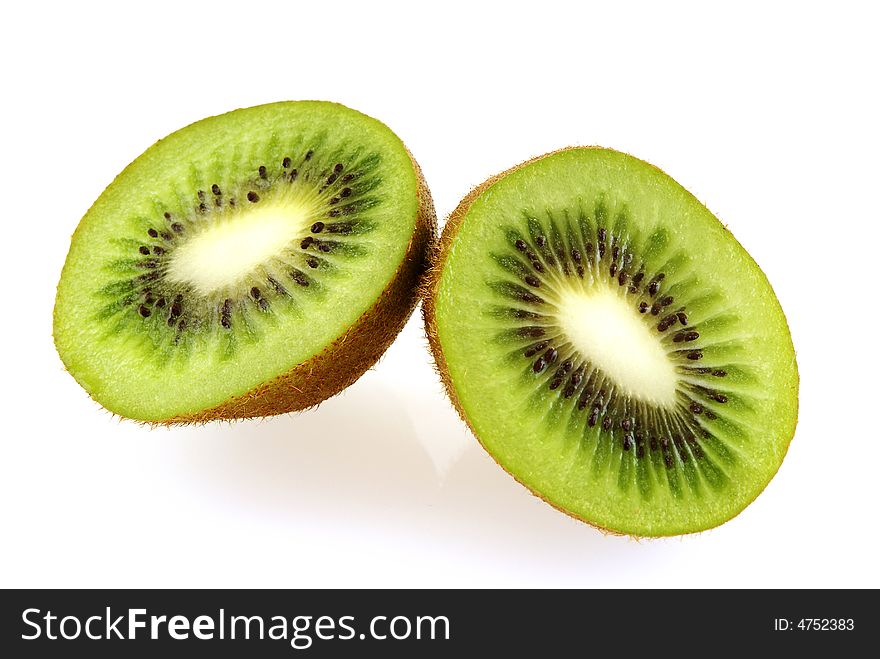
(225, 252)
(605, 329)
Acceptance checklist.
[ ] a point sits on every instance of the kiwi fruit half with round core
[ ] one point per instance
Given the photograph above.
(611, 344)
(249, 264)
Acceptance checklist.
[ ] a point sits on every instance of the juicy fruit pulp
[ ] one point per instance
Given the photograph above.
(611, 345)
(237, 250)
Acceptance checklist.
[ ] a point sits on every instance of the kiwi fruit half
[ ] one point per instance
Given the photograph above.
(611, 344)
(249, 264)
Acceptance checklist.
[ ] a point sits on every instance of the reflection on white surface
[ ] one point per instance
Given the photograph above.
(362, 463)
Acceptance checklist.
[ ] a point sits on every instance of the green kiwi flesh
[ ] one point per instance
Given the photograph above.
(251, 263)
(611, 344)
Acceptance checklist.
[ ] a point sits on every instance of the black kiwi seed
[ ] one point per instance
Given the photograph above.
(551, 355)
(533, 332)
(160, 302)
(719, 373)
(167, 215)
(540, 241)
(308, 240)
(253, 197)
(643, 307)
(539, 365)
(177, 227)
(339, 227)
(144, 311)
(276, 285)
(201, 195)
(299, 278)
(594, 417)
(255, 293)
(520, 245)
(695, 355)
(535, 349)
(226, 314)
(144, 250)
(584, 398)
(309, 154)
(158, 251)
(317, 227)
(293, 175)
(682, 317)
(345, 192)
(312, 262)
(525, 296)
(286, 162)
(262, 171)
(338, 167)
(606, 423)
(324, 247)
(533, 281)
(573, 384)
(696, 408)
(215, 189)
(152, 233)
(666, 323)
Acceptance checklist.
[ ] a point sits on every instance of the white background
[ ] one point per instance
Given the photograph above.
(767, 112)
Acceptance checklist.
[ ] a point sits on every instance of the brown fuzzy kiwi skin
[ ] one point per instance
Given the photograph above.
(430, 288)
(357, 349)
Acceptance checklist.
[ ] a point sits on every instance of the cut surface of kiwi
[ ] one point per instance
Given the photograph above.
(611, 344)
(249, 264)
